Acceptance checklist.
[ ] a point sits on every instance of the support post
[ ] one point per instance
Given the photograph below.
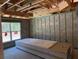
(1, 45)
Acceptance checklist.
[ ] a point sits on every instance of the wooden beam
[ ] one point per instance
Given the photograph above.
(4, 3)
(12, 4)
(62, 5)
(48, 4)
(16, 13)
(34, 6)
(69, 2)
(75, 0)
(14, 16)
(1, 44)
(25, 6)
(16, 4)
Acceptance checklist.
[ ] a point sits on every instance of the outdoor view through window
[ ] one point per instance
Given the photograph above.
(11, 31)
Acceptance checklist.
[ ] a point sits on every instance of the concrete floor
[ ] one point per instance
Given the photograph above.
(13, 53)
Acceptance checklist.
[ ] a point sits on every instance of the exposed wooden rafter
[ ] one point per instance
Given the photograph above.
(33, 6)
(48, 4)
(26, 6)
(4, 3)
(12, 4)
(22, 7)
(16, 4)
(17, 13)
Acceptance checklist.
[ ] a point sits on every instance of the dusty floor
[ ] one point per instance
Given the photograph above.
(14, 53)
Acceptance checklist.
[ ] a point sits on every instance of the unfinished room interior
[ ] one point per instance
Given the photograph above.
(38, 29)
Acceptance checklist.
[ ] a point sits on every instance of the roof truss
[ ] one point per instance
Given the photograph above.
(21, 7)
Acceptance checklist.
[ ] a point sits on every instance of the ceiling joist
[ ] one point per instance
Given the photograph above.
(17, 13)
(28, 8)
(22, 7)
(25, 6)
(4, 3)
(16, 4)
(12, 4)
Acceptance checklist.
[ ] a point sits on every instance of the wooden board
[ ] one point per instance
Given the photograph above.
(63, 50)
(1, 44)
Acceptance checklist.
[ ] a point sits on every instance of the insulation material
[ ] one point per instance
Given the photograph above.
(75, 29)
(57, 27)
(69, 26)
(52, 27)
(43, 27)
(62, 27)
(47, 28)
(25, 29)
(40, 12)
(40, 28)
(36, 29)
(31, 28)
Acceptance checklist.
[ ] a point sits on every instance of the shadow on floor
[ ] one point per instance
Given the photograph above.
(14, 53)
